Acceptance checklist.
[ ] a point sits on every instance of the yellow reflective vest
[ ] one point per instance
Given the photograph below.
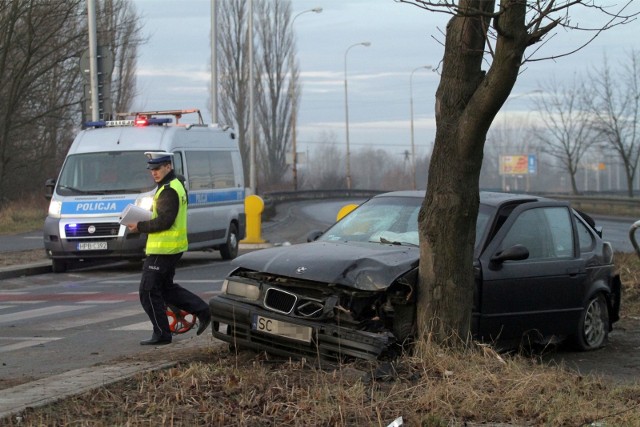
(174, 239)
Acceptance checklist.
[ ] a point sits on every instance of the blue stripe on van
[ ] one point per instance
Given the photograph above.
(94, 207)
(201, 197)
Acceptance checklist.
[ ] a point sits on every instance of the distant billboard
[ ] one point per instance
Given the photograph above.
(521, 164)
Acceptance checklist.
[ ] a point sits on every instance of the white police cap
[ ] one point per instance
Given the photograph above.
(157, 158)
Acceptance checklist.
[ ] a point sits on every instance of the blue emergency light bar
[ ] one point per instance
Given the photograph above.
(139, 121)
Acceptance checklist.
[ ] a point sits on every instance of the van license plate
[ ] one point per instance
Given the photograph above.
(92, 246)
(282, 329)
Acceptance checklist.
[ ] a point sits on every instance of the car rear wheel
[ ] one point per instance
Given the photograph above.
(593, 328)
(230, 249)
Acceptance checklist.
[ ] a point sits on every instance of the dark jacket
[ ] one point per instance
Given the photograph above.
(167, 207)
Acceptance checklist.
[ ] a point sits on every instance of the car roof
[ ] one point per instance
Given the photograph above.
(490, 198)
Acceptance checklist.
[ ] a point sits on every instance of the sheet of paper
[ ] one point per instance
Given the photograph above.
(133, 214)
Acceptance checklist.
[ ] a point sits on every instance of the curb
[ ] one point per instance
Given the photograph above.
(51, 389)
(25, 270)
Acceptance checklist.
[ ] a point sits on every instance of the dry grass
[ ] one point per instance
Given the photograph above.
(629, 267)
(441, 388)
(23, 216)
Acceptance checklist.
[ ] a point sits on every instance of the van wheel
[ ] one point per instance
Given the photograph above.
(230, 249)
(58, 266)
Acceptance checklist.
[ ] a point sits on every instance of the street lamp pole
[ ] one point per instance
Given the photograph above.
(346, 110)
(413, 146)
(294, 159)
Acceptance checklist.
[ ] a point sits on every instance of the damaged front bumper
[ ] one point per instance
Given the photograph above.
(247, 326)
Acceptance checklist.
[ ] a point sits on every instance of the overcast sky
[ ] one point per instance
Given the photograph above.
(173, 68)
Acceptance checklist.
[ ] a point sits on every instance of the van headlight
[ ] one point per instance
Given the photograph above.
(145, 202)
(240, 289)
(55, 207)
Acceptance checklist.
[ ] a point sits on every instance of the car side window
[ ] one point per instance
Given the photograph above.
(546, 232)
(585, 238)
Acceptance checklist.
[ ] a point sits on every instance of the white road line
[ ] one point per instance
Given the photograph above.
(39, 312)
(27, 302)
(79, 293)
(13, 293)
(142, 326)
(102, 316)
(89, 301)
(5, 306)
(25, 342)
(125, 281)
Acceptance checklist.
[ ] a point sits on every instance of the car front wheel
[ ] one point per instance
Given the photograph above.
(593, 328)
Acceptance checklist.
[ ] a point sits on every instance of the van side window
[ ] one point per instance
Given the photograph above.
(210, 170)
(177, 163)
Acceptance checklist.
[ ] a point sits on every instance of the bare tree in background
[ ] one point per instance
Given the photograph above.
(566, 133)
(274, 82)
(233, 63)
(325, 171)
(120, 31)
(615, 109)
(275, 38)
(39, 75)
(478, 35)
(41, 82)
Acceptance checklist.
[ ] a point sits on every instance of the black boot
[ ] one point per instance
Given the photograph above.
(157, 340)
(203, 322)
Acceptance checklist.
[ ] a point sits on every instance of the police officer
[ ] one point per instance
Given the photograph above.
(166, 241)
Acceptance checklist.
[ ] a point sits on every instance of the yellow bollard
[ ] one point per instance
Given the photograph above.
(253, 208)
(346, 209)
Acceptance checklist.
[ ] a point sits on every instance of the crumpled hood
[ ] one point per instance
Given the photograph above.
(365, 266)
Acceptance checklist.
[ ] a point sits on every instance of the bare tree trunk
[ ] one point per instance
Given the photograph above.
(467, 101)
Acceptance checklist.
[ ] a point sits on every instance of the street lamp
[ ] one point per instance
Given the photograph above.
(294, 159)
(346, 110)
(413, 147)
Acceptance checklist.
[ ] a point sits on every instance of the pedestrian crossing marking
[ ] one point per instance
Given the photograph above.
(39, 312)
(24, 342)
(103, 316)
(142, 326)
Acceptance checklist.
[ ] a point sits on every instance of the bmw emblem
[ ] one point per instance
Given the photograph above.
(91, 229)
(301, 270)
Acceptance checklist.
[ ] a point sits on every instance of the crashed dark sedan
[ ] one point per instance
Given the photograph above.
(542, 271)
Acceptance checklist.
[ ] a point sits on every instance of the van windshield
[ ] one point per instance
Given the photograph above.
(113, 172)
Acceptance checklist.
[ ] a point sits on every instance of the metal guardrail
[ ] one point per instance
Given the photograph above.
(597, 205)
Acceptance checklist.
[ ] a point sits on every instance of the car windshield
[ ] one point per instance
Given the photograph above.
(114, 172)
(389, 220)
(379, 220)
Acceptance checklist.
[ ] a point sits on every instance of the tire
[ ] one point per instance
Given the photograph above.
(404, 323)
(593, 327)
(58, 266)
(230, 249)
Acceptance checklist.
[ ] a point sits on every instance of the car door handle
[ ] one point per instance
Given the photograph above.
(573, 271)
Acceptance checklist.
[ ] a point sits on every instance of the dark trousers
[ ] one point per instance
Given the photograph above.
(157, 290)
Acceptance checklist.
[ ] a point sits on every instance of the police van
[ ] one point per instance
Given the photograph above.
(105, 170)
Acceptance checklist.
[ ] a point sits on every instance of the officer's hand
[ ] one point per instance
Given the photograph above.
(133, 228)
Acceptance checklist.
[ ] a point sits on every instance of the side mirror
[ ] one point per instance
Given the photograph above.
(49, 185)
(514, 253)
(313, 235)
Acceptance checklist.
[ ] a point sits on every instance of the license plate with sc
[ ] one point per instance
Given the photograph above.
(281, 329)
